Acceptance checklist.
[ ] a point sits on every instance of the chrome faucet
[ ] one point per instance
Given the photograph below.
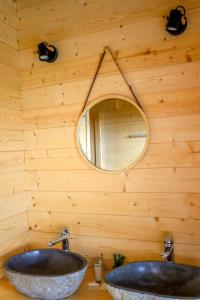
(64, 238)
(168, 253)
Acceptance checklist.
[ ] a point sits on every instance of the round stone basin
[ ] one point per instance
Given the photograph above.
(154, 280)
(48, 274)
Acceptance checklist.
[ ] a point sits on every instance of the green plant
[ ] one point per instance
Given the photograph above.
(118, 259)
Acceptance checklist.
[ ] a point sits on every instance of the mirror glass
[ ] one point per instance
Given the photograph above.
(112, 133)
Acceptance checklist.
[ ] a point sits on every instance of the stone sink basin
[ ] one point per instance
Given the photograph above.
(48, 274)
(154, 281)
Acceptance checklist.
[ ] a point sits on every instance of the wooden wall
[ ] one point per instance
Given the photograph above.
(128, 211)
(13, 206)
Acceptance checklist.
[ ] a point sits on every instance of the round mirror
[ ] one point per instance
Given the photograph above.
(112, 133)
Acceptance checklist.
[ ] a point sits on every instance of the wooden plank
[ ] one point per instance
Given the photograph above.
(12, 227)
(167, 180)
(82, 180)
(9, 93)
(11, 139)
(8, 14)
(184, 128)
(10, 119)
(167, 50)
(172, 103)
(8, 35)
(155, 106)
(13, 216)
(87, 24)
(27, 3)
(71, 161)
(163, 53)
(106, 18)
(133, 249)
(152, 80)
(52, 117)
(163, 180)
(11, 162)
(159, 104)
(10, 102)
(9, 56)
(13, 205)
(125, 227)
(12, 183)
(56, 95)
(174, 205)
(165, 130)
(9, 77)
(12, 3)
(59, 138)
(46, 12)
(183, 154)
(68, 71)
(37, 153)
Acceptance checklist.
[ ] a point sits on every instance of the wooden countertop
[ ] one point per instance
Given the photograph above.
(8, 292)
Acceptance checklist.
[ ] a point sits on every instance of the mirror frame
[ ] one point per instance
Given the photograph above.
(93, 103)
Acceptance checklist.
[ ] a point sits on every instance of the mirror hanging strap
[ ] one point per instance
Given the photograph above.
(108, 50)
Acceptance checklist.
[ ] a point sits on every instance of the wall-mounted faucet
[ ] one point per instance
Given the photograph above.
(64, 238)
(168, 253)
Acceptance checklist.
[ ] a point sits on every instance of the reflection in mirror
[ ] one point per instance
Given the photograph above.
(113, 134)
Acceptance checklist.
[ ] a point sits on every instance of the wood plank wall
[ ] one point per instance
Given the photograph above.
(13, 205)
(129, 211)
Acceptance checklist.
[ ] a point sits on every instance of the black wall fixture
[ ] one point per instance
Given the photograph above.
(47, 52)
(177, 21)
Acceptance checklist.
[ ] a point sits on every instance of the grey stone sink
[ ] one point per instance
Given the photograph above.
(48, 274)
(153, 281)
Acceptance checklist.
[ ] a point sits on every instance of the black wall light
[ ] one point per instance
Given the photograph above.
(47, 52)
(177, 21)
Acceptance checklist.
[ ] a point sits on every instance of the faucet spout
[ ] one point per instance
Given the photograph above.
(168, 253)
(64, 239)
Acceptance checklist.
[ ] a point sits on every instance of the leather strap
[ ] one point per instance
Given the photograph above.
(108, 50)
